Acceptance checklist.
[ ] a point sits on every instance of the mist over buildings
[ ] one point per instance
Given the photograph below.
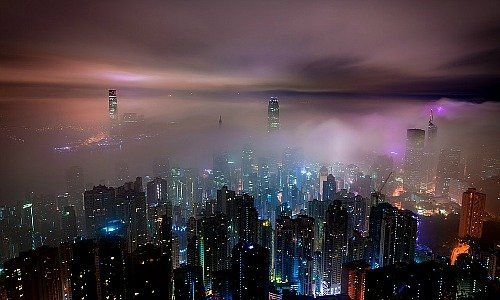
(185, 130)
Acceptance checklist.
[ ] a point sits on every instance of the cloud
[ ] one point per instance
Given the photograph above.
(337, 47)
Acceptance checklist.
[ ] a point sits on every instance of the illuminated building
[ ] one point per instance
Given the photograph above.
(356, 207)
(363, 186)
(222, 285)
(158, 205)
(161, 168)
(166, 241)
(283, 250)
(273, 115)
(357, 247)
(68, 224)
(97, 269)
(294, 252)
(176, 248)
(414, 155)
(224, 197)
(75, 187)
(250, 268)
(131, 208)
(265, 235)
(146, 276)
(34, 275)
(329, 188)
(242, 217)
(431, 146)
(221, 170)
(471, 278)
(97, 203)
(248, 219)
(323, 174)
(448, 169)
(393, 235)
(354, 279)
(113, 105)
(471, 214)
(317, 209)
(188, 283)
(249, 171)
(334, 246)
(26, 230)
(47, 220)
(194, 243)
(432, 132)
(429, 280)
(215, 245)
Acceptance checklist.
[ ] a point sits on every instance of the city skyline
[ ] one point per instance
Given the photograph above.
(262, 150)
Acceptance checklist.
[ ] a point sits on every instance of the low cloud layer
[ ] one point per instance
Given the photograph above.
(384, 48)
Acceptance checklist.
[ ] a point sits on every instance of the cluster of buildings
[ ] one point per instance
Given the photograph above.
(249, 228)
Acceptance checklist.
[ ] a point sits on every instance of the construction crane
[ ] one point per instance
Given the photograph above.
(377, 195)
(384, 182)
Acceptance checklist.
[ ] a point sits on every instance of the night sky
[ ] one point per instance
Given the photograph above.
(350, 76)
(67, 49)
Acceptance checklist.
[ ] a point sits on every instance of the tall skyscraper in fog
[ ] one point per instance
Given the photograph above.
(448, 168)
(432, 131)
(113, 105)
(431, 150)
(471, 215)
(323, 173)
(273, 115)
(415, 139)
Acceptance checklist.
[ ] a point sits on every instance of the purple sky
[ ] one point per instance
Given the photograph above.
(68, 49)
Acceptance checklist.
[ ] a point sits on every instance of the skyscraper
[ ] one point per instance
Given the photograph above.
(188, 283)
(248, 218)
(131, 205)
(75, 187)
(249, 171)
(354, 279)
(273, 115)
(471, 214)
(157, 192)
(113, 105)
(33, 275)
(393, 235)
(294, 252)
(414, 155)
(448, 169)
(329, 188)
(334, 246)
(97, 269)
(68, 224)
(166, 239)
(215, 243)
(432, 131)
(431, 147)
(323, 174)
(99, 208)
(146, 277)
(250, 268)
